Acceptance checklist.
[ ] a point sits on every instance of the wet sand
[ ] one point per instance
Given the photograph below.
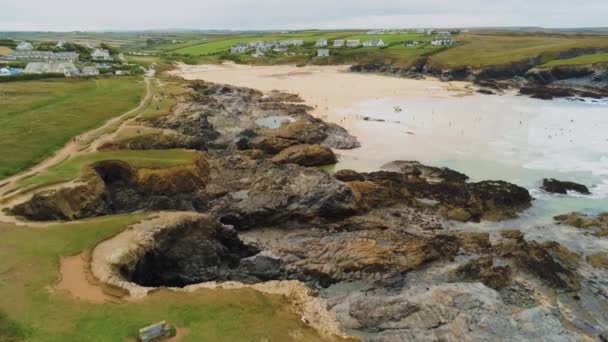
(73, 270)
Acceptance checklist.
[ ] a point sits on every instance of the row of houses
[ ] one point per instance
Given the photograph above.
(351, 43)
(42, 56)
(68, 69)
(261, 46)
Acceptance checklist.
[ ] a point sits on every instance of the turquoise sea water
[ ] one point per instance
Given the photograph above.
(512, 138)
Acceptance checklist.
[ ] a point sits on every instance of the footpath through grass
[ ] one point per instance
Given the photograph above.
(39, 117)
(31, 309)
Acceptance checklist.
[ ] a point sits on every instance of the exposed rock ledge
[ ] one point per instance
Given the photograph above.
(109, 258)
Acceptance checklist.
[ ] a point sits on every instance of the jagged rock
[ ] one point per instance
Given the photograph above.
(430, 173)
(194, 251)
(117, 187)
(306, 155)
(458, 214)
(304, 132)
(64, 204)
(263, 192)
(548, 261)
(597, 225)
(446, 312)
(548, 76)
(159, 141)
(483, 270)
(373, 255)
(512, 234)
(491, 200)
(598, 260)
(473, 242)
(271, 144)
(561, 187)
(349, 176)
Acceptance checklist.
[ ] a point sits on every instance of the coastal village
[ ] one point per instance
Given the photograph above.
(260, 48)
(67, 59)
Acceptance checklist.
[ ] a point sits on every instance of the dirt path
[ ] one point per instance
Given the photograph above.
(9, 192)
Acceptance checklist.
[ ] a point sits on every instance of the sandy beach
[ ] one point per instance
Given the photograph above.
(324, 87)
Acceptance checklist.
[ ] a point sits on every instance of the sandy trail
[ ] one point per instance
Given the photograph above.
(9, 187)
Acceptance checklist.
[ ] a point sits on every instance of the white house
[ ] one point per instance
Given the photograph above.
(411, 43)
(443, 42)
(429, 32)
(101, 55)
(24, 46)
(239, 48)
(294, 42)
(60, 44)
(338, 43)
(68, 69)
(256, 44)
(323, 53)
(374, 43)
(258, 53)
(321, 42)
(280, 49)
(444, 33)
(89, 71)
(353, 43)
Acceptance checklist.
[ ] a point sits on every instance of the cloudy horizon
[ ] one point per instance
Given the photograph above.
(117, 15)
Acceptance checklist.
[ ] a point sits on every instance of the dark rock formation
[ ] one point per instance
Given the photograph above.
(156, 142)
(561, 187)
(117, 187)
(197, 251)
(483, 270)
(306, 155)
(349, 176)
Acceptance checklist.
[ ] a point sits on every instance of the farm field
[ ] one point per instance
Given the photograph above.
(39, 117)
(216, 50)
(33, 309)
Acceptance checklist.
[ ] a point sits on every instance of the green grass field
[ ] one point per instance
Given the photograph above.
(39, 117)
(78, 166)
(216, 50)
(31, 309)
(487, 50)
(598, 58)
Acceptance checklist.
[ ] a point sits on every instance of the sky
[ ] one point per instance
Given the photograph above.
(71, 15)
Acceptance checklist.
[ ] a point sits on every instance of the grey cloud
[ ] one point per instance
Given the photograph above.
(294, 14)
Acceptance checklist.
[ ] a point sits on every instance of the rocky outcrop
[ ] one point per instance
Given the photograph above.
(69, 203)
(159, 141)
(561, 187)
(349, 176)
(225, 116)
(306, 155)
(456, 199)
(117, 187)
(446, 312)
(483, 270)
(595, 225)
(550, 92)
(547, 76)
(195, 251)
